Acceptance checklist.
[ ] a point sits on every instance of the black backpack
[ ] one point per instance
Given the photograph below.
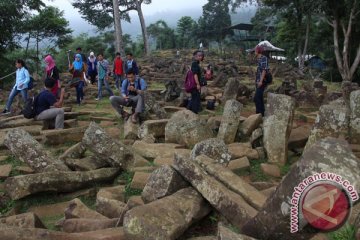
(268, 78)
(29, 110)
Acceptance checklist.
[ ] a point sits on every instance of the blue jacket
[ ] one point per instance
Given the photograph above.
(140, 84)
(22, 78)
(133, 65)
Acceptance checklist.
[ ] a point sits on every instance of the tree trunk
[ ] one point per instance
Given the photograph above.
(143, 27)
(118, 29)
(37, 54)
(27, 46)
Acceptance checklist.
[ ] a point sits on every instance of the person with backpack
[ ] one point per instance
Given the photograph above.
(131, 64)
(51, 71)
(132, 95)
(47, 107)
(260, 81)
(103, 77)
(118, 71)
(195, 102)
(21, 84)
(92, 67)
(78, 69)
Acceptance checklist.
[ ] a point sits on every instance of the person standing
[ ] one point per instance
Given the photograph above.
(263, 67)
(131, 64)
(195, 103)
(21, 84)
(79, 51)
(92, 67)
(132, 95)
(46, 106)
(118, 71)
(51, 71)
(103, 77)
(78, 69)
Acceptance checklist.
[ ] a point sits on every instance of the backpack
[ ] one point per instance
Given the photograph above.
(268, 78)
(31, 83)
(189, 83)
(208, 74)
(29, 110)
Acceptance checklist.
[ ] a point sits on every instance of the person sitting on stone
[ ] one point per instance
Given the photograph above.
(132, 95)
(46, 106)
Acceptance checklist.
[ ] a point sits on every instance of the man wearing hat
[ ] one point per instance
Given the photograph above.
(92, 67)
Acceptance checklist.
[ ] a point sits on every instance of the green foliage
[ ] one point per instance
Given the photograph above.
(257, 173)
(347, 232)
(186, 32)
(51, 221)
(214, 20)
(164, 35)
(128, 176)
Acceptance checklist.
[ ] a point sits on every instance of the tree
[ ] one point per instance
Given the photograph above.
(186, 32)
(343, 17)
(214, 20)
(165, 36)
(49, 25)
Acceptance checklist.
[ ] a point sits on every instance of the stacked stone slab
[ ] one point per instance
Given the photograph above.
(230, 121)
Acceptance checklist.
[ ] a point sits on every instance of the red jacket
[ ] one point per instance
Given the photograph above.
(118, 66)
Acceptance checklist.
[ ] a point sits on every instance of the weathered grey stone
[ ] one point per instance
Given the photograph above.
(203, 238)
(240, 150)
(77, 225)
(22, 186)
(278, 121)
(149, 221)
(155, 128)
(270, 169)
(43, 234)
(50, 210)
(130, 130)
(161, 183)
(86, 164)
(97, 141)
(231, 205)
(230, 121)
(239, 164)
(152, 106)
(213, 148)
(231, 89)
(226, 234)
(25, 220)
(298, 137)
(139, 180)
(236, 184)
(61, 136)
(134, 201)
(77, 209)
(326, 156)
(249, 125)
(186, 128)
(76, 151)
(331, 121)
(256, 134)
(5, 171)
(110, 202)
(355, 116)
(154, 150)
(29, 151)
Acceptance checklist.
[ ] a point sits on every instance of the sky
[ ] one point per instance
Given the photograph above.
(157, 7)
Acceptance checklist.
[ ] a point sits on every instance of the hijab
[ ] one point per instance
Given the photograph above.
(78, 65)
(50, 64)
(92, 59)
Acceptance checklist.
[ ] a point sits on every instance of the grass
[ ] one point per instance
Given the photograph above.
(291, 160)
(51, 221)
(347, 232)
(129, 192)
(156, 86)
(256, 172)
(15, 163)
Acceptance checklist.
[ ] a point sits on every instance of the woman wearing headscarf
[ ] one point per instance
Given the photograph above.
(51, 71)
(92, 67)
(78, 69)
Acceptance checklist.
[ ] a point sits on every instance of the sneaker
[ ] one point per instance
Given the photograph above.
(97, 99)
(5, 111)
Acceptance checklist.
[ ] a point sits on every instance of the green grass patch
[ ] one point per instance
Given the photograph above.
(90, 202)
(257, 174)
(347, 232)
(156, 86)
(129, 192)
(15, 163)
(51, 221)
(7, 206)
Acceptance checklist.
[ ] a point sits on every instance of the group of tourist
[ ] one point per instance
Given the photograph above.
(48, 104)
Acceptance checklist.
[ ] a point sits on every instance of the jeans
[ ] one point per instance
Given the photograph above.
(53, 113)
(100, 83)
(259, 100)
(118, 81)
(80, 92)
(195, 102)
(13, 94)
(137, 102)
